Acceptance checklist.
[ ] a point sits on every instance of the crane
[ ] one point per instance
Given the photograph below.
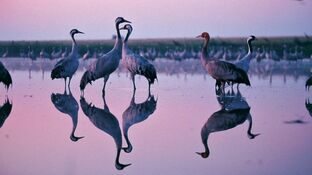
(66, 68)
(135, 63)
(107, 63)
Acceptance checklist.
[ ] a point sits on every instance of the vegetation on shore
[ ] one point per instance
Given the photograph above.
(161, 46)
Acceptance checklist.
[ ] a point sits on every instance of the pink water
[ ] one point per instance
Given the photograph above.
(35, 138)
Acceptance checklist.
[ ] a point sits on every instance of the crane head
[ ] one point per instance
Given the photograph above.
(120, 20)
(251, 37)
(75, 31)
(127, 27)
(204, 35)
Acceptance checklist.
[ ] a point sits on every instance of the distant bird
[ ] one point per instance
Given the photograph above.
(245, 61)
(67, 104)
(5, 53)
(308, 83)
(221, 71)
(107, 63)
(55, 54)
(66, 67)
(135, 63)
(44, 54)
(225, 119)
(87, 54)
(31, 55)
(5, 76)
(104, 120)
(65, 53)
(5, 111)
(135, 114)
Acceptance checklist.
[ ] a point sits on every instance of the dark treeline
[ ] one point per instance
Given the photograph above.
(277, 47)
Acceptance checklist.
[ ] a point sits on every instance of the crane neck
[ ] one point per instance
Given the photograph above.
(119, 165)
(118, 31)
(75, 122)
(118, 42)
(249, 46)
(206, 153)
(204, 56)
(205, 48)
(127, 36)
(74, 50)
(128, 149)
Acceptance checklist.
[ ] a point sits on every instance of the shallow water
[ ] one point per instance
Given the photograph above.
(165, 134)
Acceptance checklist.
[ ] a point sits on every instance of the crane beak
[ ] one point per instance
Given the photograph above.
(81, 32)
(126, 21)
(199, 36)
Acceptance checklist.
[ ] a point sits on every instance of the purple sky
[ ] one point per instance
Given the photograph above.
(53, 19)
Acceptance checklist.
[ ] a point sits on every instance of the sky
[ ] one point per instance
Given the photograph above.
(53, 19)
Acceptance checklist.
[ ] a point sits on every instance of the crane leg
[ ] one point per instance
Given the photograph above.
(149, 89)
(65, 83)
(69, 82)
(232, 86)
(105, 81)
(223, 86)
(133, 79)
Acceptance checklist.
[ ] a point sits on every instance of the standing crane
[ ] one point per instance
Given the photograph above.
(221, 71)
(135, 63)
(65, 68)
(245, 61)
(107, 63)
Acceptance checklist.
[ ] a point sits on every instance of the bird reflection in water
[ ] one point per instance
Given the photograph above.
(107, 122)
(234, 111)
(136, 113)
(67, 104)
(5, 111)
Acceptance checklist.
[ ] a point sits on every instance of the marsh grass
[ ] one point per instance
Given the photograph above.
(162, 45)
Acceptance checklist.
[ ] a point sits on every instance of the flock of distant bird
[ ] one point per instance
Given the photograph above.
(222, 71)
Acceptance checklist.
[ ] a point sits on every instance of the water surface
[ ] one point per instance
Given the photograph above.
(165, 130)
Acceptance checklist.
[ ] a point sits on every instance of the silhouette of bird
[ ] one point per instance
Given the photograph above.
(107, 63)
(67, 104)
(221, 71)
(135, 63)
(227, 118)
(5, 111)
(135, 114)
(104, 120)
(65, 68)
(5, 76)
